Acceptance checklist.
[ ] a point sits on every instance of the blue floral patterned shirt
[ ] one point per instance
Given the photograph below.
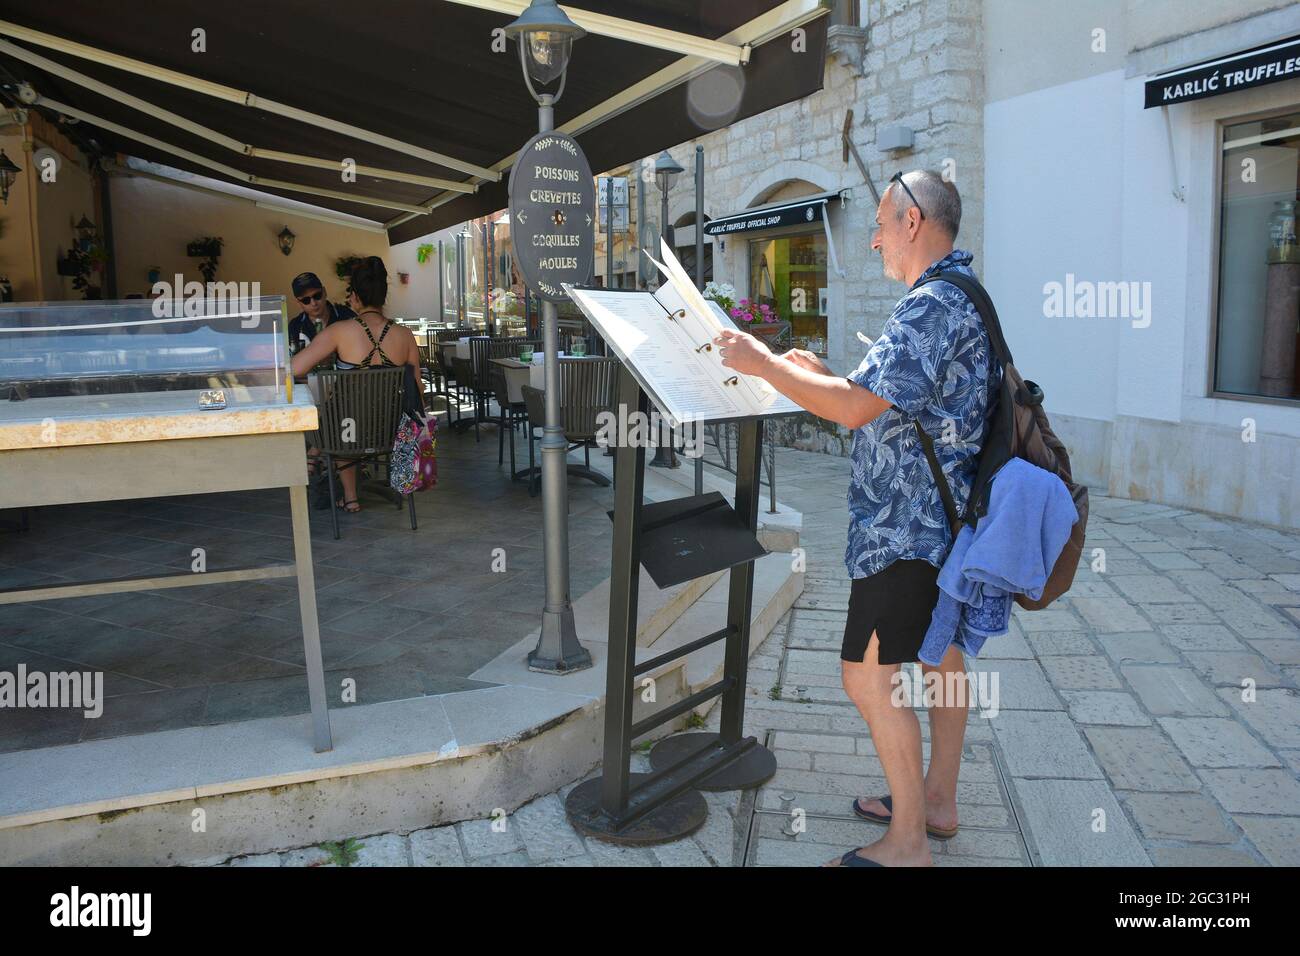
(933, 361)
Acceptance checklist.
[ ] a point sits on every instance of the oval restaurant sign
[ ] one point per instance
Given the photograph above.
(552, 214)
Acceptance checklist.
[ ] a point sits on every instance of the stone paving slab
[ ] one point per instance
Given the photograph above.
(1078, 823)
(1151, 717)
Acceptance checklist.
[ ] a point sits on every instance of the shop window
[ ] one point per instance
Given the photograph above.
(789, 274)
(1257, 349)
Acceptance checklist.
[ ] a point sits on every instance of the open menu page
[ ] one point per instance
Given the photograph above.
(704, 326)
(682, 382)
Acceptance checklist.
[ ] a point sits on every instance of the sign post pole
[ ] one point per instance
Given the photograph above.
(552, 205)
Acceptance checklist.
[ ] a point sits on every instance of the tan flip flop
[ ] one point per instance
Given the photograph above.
(939, 833)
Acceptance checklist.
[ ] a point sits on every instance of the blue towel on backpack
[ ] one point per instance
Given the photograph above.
(1011, 550)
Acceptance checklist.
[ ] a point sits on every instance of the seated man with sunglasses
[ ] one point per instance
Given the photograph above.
(317, 312)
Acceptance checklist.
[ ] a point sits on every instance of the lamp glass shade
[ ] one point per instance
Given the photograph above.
(285, 239)
(547, 54)
(546, 34)
(666, 170)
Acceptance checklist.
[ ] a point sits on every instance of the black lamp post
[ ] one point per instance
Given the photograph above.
(545, 36)
(8, 173)
(667, 170)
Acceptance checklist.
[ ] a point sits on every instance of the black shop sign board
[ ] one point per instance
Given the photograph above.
(1241, 71)
(552, 214)
(771, 217)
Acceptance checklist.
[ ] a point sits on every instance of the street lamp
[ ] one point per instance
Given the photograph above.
(545, 36)
(8, 173)
(667, 170)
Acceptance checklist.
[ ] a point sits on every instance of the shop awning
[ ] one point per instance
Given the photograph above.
(1240, 71)
(795, 212)
(416, 96)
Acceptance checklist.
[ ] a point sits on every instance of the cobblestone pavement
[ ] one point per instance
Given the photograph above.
(1149, 718)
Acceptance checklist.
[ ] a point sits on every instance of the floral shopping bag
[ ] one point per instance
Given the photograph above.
(413, 466)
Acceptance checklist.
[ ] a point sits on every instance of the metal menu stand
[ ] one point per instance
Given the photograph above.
(676, 541)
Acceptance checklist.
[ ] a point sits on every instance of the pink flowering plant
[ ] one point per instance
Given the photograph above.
(754, 313)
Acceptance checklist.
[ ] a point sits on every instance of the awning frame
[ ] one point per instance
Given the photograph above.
(778, 20)
(239, 97)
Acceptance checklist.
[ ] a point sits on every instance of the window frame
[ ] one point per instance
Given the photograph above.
(1216, 260)
(785, 232)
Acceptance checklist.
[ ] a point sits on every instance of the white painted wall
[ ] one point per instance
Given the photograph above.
(1052, 185)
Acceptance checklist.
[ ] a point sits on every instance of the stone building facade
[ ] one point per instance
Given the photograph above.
(1175, 376)
(911, 63)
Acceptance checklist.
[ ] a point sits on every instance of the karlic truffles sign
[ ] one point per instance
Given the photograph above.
(1269, 64)
(552, 214)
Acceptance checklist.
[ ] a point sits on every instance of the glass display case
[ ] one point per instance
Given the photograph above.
(55, 349)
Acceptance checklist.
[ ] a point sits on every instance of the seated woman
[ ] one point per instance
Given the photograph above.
(368, 340)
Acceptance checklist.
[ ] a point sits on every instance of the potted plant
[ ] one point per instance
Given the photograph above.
(208, 248)
(423, 251)
(723, 293)
(760, 320)
(343, 266)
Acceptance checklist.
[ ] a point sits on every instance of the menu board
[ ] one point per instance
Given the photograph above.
(666, 339)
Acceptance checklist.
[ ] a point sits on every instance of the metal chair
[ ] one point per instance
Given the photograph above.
(462, 375)
(478, 384)
(436, 337)
(588, 387)
(512, 414)
(359, 411)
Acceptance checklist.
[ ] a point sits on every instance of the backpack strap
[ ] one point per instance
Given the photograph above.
(945, 492)
(989, 315)
(984, 306)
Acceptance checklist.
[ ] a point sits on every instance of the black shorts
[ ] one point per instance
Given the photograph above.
(896, 604)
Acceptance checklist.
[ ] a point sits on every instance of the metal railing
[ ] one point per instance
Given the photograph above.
(724, 438)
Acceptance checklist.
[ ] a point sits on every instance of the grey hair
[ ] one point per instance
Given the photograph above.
(938, 198)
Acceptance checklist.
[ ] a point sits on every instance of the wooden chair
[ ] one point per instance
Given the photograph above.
(359, 411)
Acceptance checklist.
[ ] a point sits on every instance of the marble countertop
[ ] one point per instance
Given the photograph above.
(150, 416)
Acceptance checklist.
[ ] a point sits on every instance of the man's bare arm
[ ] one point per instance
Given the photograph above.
(825, 395)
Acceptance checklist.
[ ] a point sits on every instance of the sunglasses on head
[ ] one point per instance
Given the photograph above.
(898, 178)
(314, 297)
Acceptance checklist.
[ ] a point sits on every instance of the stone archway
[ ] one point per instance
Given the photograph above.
(790, 179)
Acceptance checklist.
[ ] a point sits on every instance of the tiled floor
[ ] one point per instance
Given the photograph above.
(402, 613)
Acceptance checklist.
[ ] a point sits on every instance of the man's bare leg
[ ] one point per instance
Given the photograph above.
(947, 733)
(896, 733)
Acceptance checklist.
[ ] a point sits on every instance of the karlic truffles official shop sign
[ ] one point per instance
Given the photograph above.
(552, 214)
(1241, 71)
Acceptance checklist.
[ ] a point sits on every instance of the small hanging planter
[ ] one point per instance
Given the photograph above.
(209, 250)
